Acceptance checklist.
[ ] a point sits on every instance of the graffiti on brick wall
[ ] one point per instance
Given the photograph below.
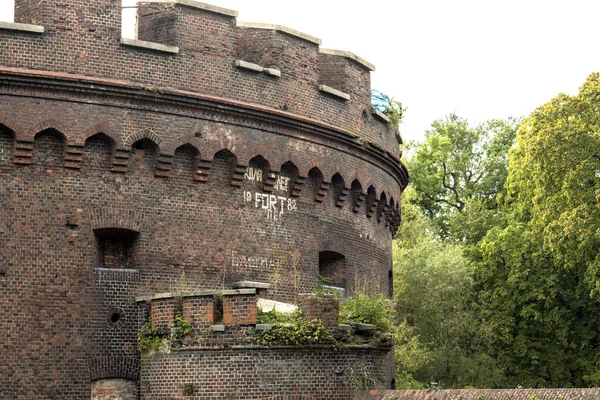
(259, 263)
(253, 174)
(282, 183)
(274, 206)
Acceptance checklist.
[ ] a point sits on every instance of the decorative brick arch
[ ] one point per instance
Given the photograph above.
(30, 133)
(214, 147)
(114, 367)
(379, 190)
(328, 243)
(172, 146)
(15, 129)
(294, 159)
(116, 218)
(102, 127)
(145, 134)
(327, 170)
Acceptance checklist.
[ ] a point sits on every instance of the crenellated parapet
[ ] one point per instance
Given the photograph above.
(192, 46)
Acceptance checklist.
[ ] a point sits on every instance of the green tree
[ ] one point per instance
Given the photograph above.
(434, 309)
(537, 275)
(458, 168)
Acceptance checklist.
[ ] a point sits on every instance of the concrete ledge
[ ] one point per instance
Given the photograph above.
(257, 68)
(200, 293)
(335, 290)
(272, 72)
(237, 291)
(251, 284)
(199, 5)
(14, 26)
(263, 327)
(365, 327)
(163, 48)
(334, 92)
(344, 328)
(350, 56)
(280, 28)
(381, 116)
(157, 296)
(248, 65)
(217, 328)
(270, 305)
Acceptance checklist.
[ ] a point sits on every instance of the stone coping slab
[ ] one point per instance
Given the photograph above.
(14, 26)
(280, 28)
(350, 56)
(150, 45)
(199, 5)
(334, 92)
(251, 285)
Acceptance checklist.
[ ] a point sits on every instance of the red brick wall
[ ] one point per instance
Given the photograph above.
(250, 373)
(326, 308)
(240, 309)
(94, 135)
(83, 37)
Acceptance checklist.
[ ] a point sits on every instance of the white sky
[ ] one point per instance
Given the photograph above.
(480, 59)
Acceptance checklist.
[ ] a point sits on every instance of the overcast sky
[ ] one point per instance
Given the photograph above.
(480, 59)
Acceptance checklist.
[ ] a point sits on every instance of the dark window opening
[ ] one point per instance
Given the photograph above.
(332, 268)
(115, 318)
(391, 284)
(115, 247)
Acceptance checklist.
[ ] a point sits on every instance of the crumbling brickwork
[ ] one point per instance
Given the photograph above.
(129, 171)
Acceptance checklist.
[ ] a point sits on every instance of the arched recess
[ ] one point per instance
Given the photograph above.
(381, 207)
(47, 125)
(49, 149)
(223, 167)
(371, 200)
(287, 180)
(357, 196)
(185, 162)
(114, 377)
(338, 190)
(144, 157)
(97, 152)
(140, 136)
(7, 146)
(391, 213)
(316, 188)
(105, 129)
(332, 268)
(258, 173)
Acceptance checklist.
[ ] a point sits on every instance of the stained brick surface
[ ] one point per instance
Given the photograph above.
(98, 138)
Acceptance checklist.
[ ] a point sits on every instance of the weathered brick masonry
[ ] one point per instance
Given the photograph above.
(211, 152)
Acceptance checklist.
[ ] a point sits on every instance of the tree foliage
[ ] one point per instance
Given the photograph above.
(513, 299)
(538, 274)
(458, 167)
(441, 341)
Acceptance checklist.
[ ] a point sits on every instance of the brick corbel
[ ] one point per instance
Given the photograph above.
(23, 152)
(297, 186)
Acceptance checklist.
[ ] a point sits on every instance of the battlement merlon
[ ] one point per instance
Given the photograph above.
(192, 46)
